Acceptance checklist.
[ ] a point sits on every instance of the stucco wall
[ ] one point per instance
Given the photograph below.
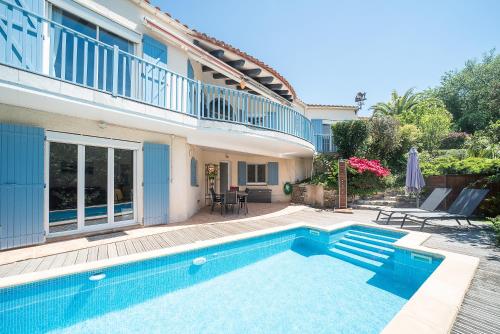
(331, 114)
(290, 170)
(182, 200)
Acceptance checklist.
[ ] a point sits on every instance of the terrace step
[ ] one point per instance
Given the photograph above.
(368, 246)
(374, 235)
(380, 202)
(366, 239)
(362, 252)
(355, 259)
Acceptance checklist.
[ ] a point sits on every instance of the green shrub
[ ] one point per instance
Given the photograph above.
(361, 184)
(350, 137)
(454, 140)
(495, 224)
(449, 165)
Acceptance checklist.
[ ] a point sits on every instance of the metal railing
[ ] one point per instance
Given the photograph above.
(43, 46)
(324, 143)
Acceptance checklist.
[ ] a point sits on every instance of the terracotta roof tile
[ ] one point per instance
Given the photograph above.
(330, 105)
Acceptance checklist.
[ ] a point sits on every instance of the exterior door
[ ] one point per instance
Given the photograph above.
(156, 183)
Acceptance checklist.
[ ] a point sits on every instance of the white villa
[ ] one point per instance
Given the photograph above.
(111, 113)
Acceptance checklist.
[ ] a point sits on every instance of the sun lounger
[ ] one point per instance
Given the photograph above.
(430, 204)
(462, 208)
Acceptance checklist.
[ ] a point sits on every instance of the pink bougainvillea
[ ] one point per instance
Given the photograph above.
(361, 165)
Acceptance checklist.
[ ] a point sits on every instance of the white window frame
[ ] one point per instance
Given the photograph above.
(110, 144)
(256, 174)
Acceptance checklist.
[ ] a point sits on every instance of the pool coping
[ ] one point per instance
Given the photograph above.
(432, 309)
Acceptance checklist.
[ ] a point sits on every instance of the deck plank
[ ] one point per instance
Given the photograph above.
(137, 245)
(93, 252)
(112, 251)
(130, 247)
(121, 248)
(59, 260)
(102, 252)
(46, 262)
(32, 265)
(70, 259)
(82, 256)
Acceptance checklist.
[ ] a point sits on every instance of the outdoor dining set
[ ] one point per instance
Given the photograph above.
(229, 200)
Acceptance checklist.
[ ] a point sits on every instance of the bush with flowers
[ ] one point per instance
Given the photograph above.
(364, 176)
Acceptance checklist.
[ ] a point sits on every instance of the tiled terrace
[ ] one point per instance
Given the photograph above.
(478, 314)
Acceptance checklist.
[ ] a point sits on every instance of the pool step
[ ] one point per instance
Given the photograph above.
(356, 259)
(368, 246)
(374, 235)
(362, 252)
(370, 240)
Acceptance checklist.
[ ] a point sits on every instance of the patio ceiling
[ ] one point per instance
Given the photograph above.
(251, 70)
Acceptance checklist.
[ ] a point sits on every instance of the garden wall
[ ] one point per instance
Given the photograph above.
(457, 183)
(314, 195)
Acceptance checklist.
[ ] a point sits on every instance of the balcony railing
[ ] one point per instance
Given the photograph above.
(324, 143)
(31, 42)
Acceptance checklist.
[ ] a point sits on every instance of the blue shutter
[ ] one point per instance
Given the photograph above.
(194, 170)
(317, 125)
(154, 52)
(24, 41)
(242, 173)
(272, 173)
(156, 183)
(21, 185)
(190, 71)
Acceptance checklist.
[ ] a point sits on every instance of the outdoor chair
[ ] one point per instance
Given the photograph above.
(430, 204)
(243, 203)
(217, 199)
(231, 199)
(462, 208)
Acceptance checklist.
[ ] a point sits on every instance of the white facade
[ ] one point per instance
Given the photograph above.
(257, 120)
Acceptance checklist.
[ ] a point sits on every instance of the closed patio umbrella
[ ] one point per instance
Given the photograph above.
(414, 178)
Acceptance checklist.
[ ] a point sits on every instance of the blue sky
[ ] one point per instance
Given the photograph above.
(329, 49)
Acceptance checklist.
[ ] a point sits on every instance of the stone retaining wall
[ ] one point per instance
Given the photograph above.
(314, 195)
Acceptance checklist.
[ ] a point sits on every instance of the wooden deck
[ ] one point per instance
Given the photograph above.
(480, 311)
(171, 238)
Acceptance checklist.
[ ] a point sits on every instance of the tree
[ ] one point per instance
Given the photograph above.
(350, 137)
(472, 95)
(434, 123)
(398, 104)
(485, 143)
(384, 137)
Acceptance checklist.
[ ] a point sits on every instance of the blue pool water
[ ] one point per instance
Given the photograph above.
(298, 281)
(98, 210)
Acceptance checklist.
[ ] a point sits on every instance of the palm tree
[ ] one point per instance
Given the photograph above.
(398, 104)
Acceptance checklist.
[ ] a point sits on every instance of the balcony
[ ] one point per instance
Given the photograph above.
(35, 44)
(324, 143)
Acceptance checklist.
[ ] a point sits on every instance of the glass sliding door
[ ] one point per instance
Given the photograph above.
(91, 183)
(63, 187)
(96, 185)
(124, 185)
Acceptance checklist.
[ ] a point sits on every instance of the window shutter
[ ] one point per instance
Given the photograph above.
(156, 183)
(273, 173)
(21, 185)
(194, 169)
(242, 173)
(190, 71)
(154, 51)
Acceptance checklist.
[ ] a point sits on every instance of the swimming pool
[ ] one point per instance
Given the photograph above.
(302, 280)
